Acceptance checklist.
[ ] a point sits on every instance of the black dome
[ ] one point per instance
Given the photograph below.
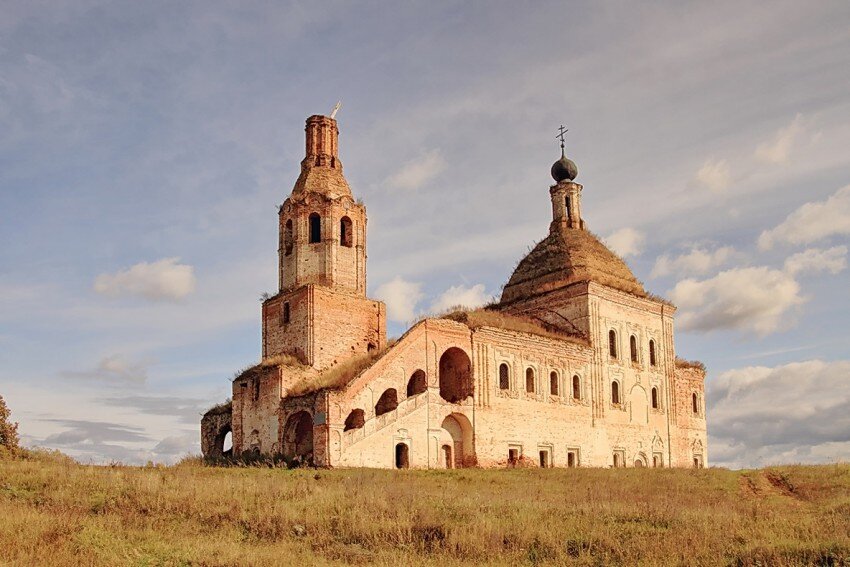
(564, 169)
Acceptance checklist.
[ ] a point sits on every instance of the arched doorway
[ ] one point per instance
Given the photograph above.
(298, 437)
(455, 376)
(223, 444)
(448, 461)
(402, 460)
(456, 436)
(227, 444)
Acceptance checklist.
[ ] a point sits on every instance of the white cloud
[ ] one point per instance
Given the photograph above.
(161, 280)
(756, 299)
(714, 175)
(790, 413)
(626, 242)
(459, 295)
(813, 260)
(116, 369)
(698, 261)
(811, 222)
(401, 297)
(779, 149)
(417, 172)
(175, 446)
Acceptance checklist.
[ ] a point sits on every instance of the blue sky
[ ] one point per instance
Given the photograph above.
(146, 146)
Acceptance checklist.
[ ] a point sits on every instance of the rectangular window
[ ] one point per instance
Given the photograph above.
(545, 456)
(572, 457)
(514, 454)
(286, 313)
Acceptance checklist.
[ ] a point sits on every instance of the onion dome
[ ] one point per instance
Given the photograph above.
(564, 169)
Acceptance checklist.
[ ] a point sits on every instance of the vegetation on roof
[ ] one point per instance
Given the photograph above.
(285, 360)
(683, 363)
(223, 407)
(337, 376)
(488, 317)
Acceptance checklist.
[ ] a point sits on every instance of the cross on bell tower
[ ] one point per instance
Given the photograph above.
(565, 193)
(561, 132)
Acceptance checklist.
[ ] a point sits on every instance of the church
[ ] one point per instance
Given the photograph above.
(574, 366)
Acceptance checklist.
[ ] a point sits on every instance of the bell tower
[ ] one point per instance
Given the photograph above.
(321, 314)
(322, 228)
(565, 194)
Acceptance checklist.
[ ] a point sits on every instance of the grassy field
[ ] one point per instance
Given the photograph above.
(55, 512)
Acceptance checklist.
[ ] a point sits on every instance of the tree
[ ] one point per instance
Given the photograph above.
(8, 429)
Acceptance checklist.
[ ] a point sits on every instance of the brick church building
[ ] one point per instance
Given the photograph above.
(574, 366)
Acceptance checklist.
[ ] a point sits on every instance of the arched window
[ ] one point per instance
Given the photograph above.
(695, 403)
(504, 377)
(633, 348)
(355, 420)
(553, 383)
(315, 228)
(652, 361)
(612, 343)
(417, 383)
(387, 402)
(615, 392)
(529, 380)
(576, 387)
(654, 398)
(287, 238)
(346, 236)
(569, 209)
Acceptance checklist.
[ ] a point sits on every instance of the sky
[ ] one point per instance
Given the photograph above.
(145, 147)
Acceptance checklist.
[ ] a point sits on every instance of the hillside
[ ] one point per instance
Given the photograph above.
(57, 512)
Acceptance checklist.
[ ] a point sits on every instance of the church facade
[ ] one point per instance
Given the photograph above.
(573, 366)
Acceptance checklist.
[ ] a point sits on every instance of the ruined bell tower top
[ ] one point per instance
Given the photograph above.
(321, 169)
(322, 141)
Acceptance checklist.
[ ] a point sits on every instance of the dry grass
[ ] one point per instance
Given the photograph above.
(336, 376)
(478, 318)
(224, 407)
(682, 363)
(60, 513)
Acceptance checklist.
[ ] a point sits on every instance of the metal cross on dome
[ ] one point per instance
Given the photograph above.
(560, 136)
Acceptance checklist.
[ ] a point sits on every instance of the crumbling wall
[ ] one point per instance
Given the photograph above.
(215, 425)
